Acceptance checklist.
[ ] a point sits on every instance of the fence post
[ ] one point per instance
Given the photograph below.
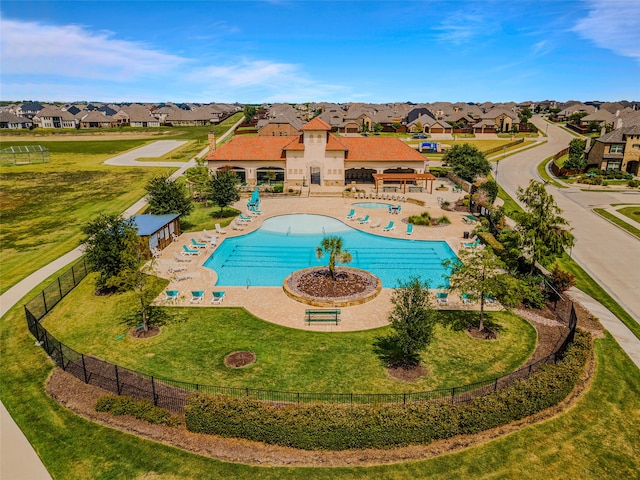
(60, 286)
(453, 394)
(404, 398)
(153, 389)
(495, 385)
(44, 302)
(84, 369)
(117, 379)
(62, 365)
(73, 275)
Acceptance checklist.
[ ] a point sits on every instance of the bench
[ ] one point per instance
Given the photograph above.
(322, 316)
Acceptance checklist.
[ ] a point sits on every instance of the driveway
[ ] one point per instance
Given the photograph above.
(607, 253)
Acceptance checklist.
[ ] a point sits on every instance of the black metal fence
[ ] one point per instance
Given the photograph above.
(173, 395)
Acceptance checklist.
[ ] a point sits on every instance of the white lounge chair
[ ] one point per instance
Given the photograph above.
(181, 268)
(219, 229)
(197, 296)
(442, 298)
(178, 258)
(376, 224)
(218, 297)
(179, 278)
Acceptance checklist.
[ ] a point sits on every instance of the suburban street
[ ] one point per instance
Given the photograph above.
(610, 255)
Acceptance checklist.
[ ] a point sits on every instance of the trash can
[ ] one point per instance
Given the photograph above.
(466, 235)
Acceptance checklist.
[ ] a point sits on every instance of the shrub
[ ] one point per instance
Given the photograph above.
(633, 183)
(488, 239)
(423, 219)
(140, 409)
(443, 220)
(347, 426)
(562, 279)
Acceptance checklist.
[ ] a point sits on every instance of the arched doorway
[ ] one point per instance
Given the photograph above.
(314, 175)
(633, 167)
(359, 175)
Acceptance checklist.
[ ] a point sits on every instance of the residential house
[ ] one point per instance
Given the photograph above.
(96, 119)
(498, 119)
(53, 117)
(616, 150)
(29, 109)
(140, 116)
(12, 122)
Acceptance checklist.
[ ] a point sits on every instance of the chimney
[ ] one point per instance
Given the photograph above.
(619, 123)
(603, 131)
(587, 145)
(617, 113)
(212, 141)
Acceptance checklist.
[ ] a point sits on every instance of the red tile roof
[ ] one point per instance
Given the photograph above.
(317, 124)
(357, 149)
(372, 149)
(252, 148)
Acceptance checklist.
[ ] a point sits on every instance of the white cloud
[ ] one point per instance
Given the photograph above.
(30, 48)
(461, 27)
(614, 25)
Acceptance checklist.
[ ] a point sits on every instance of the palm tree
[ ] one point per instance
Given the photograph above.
(333, 247)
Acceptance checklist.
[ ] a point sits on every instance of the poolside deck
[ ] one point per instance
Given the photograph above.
(271, 303)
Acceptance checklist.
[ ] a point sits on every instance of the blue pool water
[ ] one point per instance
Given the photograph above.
(372, 205)
(287, 243)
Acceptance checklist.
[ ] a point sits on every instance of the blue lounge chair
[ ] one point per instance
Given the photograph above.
(364, 220)
(352, 214)
(410, 229)
(390, 207)
(398, 208)
(170, 296)
(389, 227)
(242, 218)
(198, 244)
(473, 244)
(442, 298)
(197, 296)
(217, 297)
(466, 299)
(255, 209)
(189, 251)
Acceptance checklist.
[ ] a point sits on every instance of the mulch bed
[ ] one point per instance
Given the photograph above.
(141, 333)
(239, 359)
(407, 374)
(318, 283)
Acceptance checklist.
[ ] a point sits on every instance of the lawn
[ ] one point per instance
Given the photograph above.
(193, 346)
(632, 212)
(38, 224)
(596, 439)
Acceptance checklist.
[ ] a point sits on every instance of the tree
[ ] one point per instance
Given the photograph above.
(333, 246)
(524, 115)
(107, 247)
(224, 190)
(491, 188)
(467, 161)
(477, 273)
(412, 320)
(544, 236)
(576, 117)
(576, 159)
(249, 112)
(378, 127)
(167, 196)
(199, 178)
(418, 127)
(270, 175)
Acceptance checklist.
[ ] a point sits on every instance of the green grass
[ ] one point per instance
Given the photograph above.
(618, 221)
(542, 171)
(585, 283)
(596, 439)
(632, 212)
(510, 205)
(192, 348)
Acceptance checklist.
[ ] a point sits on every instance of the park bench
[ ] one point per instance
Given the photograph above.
(322, 316)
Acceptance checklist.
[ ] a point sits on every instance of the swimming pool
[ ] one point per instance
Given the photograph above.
(288, 242)
(372, 205)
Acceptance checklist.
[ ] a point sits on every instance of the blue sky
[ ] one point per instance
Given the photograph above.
(342, 51)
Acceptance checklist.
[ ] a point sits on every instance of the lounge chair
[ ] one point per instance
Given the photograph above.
(181, 268)
(466, 299)
(175, 237)
(389, 227)
(470, 219)
(197, 296)
(442, 298)
(364, 220)
(219, 229)
(489, 299)
(197, 244)
(255, 210)
(242, 218)
(376, 224)
(470, 240)
(189, 251)
(410, 229)
(170, 296)
(352, 214)
(178, 258)
(184, 276)
(237, 225)
(155, 253)
(398, 208)
(472, 244)
(217, 297)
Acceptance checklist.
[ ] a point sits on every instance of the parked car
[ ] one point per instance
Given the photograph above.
(419, 135)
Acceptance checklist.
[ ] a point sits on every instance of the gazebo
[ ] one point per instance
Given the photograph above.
(404, 178)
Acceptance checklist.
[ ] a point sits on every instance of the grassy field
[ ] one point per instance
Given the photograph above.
(192, 348)
(632, 212)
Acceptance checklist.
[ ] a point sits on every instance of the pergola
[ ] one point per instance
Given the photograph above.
(404, 178)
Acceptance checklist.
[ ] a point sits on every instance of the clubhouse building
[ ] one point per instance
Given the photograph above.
(318, 157)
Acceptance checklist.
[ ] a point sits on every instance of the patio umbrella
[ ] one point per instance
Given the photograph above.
(255, 197)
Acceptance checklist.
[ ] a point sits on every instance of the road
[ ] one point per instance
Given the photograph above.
(610, 255)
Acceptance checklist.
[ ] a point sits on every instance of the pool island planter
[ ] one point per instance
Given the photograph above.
(368, 294)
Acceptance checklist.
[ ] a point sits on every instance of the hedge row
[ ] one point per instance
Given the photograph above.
(488, 239)
(140, 409)
(340, 427)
